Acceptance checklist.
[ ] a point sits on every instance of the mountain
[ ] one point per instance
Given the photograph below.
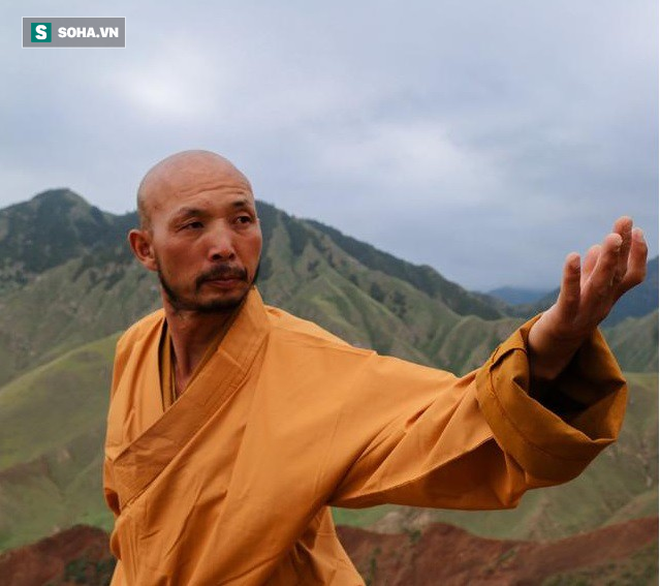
(93, 288)
(63, 304)
(633, 342)
(84, 299)
(422, 277)
(518, 295)
(53, 227)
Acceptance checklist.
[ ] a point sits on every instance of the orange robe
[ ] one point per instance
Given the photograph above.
(232, 483)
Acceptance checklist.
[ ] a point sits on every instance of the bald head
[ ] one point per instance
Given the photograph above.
(200, 232)
(182, 174)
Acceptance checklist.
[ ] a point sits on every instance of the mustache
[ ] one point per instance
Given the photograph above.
(222, 271)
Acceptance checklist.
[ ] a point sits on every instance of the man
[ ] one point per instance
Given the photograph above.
(233, 425)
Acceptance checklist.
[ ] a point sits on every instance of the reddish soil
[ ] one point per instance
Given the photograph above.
(447, 555)
(439, 554)
(78, 555)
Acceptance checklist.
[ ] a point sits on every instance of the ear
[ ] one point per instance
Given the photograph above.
(140, 242)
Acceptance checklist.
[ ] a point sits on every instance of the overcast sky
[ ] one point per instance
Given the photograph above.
(487, 139)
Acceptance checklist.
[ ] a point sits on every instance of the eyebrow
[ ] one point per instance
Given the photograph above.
(188, 212)
(242, 203)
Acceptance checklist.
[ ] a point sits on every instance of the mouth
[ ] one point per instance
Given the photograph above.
(223, 283)
(223, 278)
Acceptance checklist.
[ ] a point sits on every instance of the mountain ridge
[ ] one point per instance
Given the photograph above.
(53, 227)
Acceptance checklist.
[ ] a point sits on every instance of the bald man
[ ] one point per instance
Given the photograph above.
(233, 426)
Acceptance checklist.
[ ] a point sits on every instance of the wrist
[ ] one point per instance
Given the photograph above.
(548, 354)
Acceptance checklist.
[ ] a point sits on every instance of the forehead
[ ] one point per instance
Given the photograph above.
(205, 181)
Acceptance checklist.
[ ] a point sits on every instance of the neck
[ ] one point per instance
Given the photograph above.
(191, 333)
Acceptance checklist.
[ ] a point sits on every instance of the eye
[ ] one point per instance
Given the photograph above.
(194, 225)
(244, 220)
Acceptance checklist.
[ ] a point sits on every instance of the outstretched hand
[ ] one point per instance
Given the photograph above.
(586, 297)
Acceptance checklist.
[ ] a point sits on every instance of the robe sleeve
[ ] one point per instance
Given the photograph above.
(109, 490)
(118, 578)
(481, 441)
(122, 351)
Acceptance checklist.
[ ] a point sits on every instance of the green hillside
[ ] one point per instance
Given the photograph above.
(423, 278)
(70, 305)
(52, 424)
(50, 229)
(303, 270)
(634, 342)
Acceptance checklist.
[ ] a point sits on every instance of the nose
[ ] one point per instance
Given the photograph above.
(221, 245)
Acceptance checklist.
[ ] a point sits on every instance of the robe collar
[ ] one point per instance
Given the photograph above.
(143, 458)
(236, 351)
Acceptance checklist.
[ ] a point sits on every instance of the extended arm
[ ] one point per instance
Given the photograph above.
(483, 440)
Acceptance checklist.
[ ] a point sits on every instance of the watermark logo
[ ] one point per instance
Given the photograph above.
(40, 32)
(74, 31)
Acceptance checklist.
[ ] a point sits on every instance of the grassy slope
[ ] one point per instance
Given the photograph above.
(51, 430)
(634, 342)
(66, 307)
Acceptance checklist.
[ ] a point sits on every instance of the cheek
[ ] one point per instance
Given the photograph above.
(175, 260)
(252, 250)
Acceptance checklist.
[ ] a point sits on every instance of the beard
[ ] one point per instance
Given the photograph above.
(181, 302)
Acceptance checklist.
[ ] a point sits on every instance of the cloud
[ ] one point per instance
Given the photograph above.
(484, 140)
(416, 158)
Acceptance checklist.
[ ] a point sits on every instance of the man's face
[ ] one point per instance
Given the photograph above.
(206, 241)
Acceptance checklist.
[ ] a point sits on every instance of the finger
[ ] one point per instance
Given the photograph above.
(623, 227)
(568, 301)
(590, 260)
(636, 272)
(602, 277)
